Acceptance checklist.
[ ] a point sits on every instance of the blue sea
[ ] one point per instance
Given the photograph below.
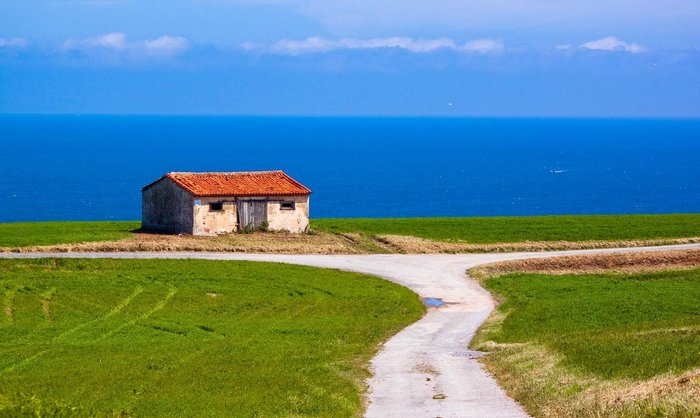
(92, 167)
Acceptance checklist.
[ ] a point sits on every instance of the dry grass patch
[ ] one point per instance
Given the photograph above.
(368, 244)
(536, 378)
(261, 242)
(322, 243)
(634, 262)
(414, 245)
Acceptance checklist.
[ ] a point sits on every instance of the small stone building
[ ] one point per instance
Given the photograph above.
(220, 203)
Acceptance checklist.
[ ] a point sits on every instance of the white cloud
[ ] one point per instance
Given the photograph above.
(167, 44)
(482, 46)
(317, 44)
(612, 43)
(117, 41)
(309, 45)
(251, 46)
(13, 42)
(114, 40)
(412, 45)
(563, 47)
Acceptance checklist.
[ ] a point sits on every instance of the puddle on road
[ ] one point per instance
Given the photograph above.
(433, 302)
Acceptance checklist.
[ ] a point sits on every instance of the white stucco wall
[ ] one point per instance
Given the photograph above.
(295, 221)
(208, 222)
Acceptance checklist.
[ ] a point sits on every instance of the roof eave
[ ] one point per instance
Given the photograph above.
(250, 195)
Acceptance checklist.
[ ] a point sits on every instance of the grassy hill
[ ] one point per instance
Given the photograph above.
(191, 337)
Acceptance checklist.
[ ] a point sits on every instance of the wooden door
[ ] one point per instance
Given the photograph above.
(251, 214)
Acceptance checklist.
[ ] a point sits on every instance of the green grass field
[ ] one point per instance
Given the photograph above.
(610, 325)
(622, 328)
(491, 230)
(191, 337)
(22, 234)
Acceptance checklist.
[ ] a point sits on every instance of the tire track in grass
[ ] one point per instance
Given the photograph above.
(185, 357)
(120, 307)
(9, 310)
(85, 302)
(7, 306)
(45, 300)
(123, 304)
(160, 305)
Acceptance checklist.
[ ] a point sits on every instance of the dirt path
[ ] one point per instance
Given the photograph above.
(426, 369)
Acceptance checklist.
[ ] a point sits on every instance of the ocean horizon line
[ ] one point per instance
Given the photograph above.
(362, 116)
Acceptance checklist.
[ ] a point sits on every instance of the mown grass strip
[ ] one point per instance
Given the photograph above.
(193, 337)
(23, 234)
(491, 230)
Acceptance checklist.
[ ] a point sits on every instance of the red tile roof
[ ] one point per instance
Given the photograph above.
(250, 183)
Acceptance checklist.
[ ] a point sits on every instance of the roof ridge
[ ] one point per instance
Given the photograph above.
(225, 172)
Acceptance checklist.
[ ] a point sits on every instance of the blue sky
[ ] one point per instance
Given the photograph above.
(394, 57)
